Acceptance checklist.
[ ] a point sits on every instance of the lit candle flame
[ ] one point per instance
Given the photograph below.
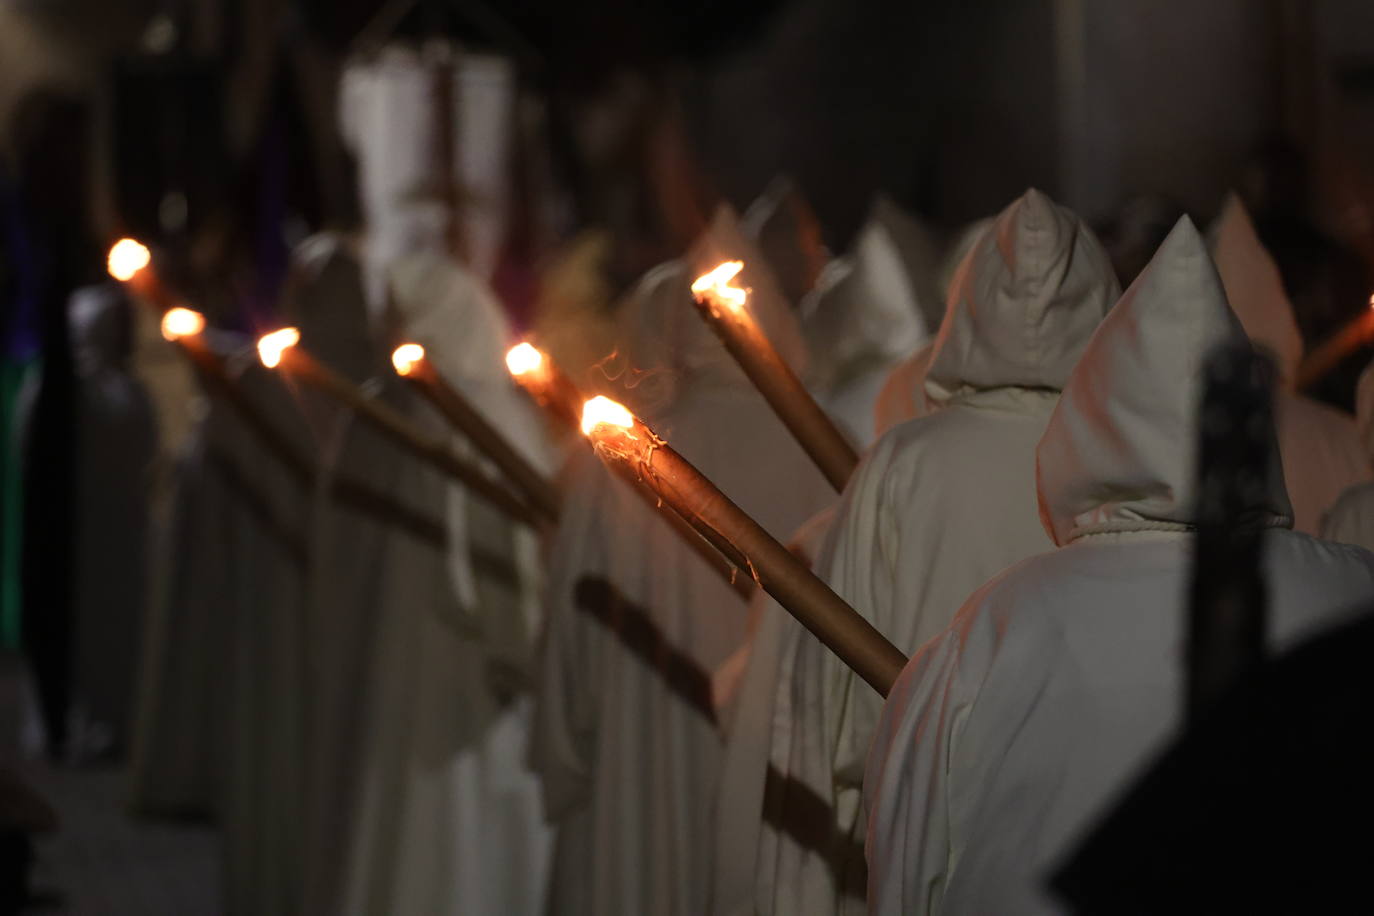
(716, 286)
(523, 359)
(602, 411)
(271, 346)
(127, 257)
(406, 356)
(182, 322)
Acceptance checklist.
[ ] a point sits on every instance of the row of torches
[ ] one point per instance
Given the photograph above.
(714, 527)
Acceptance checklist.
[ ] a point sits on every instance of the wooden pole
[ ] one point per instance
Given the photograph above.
(722, 307)
(466, 418)
(622, 439)
(1334, 349)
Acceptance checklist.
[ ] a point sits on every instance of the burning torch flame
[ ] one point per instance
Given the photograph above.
(602, 411)
(271, 346)
(126, 259)
(523, 359)
(406, 356)
(181, 322)
(716, 286)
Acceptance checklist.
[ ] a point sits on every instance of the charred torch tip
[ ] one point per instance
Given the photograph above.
(127, 257)
(182, 322)
(523, 358)
(271, 346)
(406, 356)
(602, 411)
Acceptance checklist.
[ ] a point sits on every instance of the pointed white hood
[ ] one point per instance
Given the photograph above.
(1119, 453)
(1254, 286)
(664, 339)
(1023, 303)
(866, 312)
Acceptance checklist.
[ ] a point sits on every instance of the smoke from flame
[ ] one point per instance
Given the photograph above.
(716, 286)
(406, 356)
(523, 358)
(182, 322)
(271, 346)
(127, 257)
(601, 410)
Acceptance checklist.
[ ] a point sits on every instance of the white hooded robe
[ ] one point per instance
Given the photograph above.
(625, 737)
(863, 317)
(1004, 737)
(913, 538)
(448, 814)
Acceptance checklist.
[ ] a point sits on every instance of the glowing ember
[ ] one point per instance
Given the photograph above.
(127, 258)
(1371, 303)
(523, 359)
(271, 346)
(602, 411)
(180, 322)
(406, 356)
(716, 286)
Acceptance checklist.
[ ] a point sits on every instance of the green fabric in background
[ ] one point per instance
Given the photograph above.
(11, 503)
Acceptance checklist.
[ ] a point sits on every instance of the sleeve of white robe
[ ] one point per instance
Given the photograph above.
(860, 563)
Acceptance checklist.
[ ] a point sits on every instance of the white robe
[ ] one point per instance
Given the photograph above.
(1008, 734)
(912, 536)
(448, 814)
(861, 319)
(625, 738)
(1320, 446)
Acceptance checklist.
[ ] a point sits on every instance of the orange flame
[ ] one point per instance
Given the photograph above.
(127, 257)
(716, 286)
(271, 346)
(406, 356)
(602, 411)
(524, 358)
(182, 322)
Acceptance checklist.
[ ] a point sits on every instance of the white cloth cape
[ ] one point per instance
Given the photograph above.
(625, 736)
(1320, 446)
(912, 537)
(1005, 736)
(1351, 519)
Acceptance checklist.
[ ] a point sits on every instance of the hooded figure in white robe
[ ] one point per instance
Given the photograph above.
(448, 817)
(863, 317)
(912, 537)
(1321, 449)
(626, 739)
(1004, 737)
(117, 444)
